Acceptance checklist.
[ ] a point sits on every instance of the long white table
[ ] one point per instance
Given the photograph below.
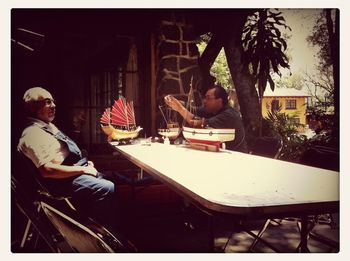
(239, 184)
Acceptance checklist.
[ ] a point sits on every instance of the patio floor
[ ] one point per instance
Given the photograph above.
(160, 229)
(154, 223)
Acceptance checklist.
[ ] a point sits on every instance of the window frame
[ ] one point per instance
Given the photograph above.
(275, 104)
(291, 104)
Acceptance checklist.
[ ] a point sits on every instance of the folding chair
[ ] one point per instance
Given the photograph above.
(27, 188)
(37, 227)
(321, 157)
(53, 218)
(328, 158)
(81, 233)
(267, 146)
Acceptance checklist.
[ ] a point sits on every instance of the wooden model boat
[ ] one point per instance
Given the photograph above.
(172, 128)
(119, 123)
(208, 136)
(172, 131)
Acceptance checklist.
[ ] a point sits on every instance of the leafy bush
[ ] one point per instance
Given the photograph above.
(278, 123)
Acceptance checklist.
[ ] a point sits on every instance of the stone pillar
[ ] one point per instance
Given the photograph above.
(177, 56)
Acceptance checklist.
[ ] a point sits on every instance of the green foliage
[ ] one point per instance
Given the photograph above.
(264, 46)
(294, 81)
(294, 148)
(220, 68)
(322, 84)
(320, 37)
(221, 71)
(282, 124)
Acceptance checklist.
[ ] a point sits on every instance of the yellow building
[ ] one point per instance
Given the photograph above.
(293, 102)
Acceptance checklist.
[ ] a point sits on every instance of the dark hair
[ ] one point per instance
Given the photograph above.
(220, 92)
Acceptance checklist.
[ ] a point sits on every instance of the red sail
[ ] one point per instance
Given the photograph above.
(118, 116)
(106, 118)
(130, 111)
(123, 113)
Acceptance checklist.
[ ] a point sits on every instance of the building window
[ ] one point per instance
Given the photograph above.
(291, 104)
(275, 105)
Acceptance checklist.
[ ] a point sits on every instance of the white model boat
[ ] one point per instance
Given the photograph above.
(208, 136)
(119, 123)
(172, 131)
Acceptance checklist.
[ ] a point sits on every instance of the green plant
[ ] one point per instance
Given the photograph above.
(219, 68)
(278, 123)
(264, 46)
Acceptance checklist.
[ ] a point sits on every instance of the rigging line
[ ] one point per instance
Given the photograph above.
(163, 115)
(173, 116)
(189, 97)
(167, 112)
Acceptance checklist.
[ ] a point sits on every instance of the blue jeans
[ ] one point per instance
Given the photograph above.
(95, 189)
(95, 196)
(92, 196)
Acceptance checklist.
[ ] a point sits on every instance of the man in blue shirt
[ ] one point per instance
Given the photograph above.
(216, 113)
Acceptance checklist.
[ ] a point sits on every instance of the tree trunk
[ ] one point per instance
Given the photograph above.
(246, 92)
(207, 59)
(334, 46)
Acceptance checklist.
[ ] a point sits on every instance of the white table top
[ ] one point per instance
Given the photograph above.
(238, 183)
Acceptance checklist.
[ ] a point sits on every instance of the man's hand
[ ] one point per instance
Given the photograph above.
(90, 170)
(173, 103)
(57, 171)
(196, 123)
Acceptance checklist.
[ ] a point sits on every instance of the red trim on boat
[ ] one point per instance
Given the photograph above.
(217, 143)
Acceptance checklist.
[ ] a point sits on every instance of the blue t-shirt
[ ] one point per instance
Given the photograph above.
(227, 118)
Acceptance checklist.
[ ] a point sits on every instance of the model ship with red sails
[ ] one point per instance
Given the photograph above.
(119, 122)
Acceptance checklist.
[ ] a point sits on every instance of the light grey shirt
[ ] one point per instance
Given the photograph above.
(40, 146)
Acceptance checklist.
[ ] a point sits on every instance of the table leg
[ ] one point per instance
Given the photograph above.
(304, 232)
(211, 238)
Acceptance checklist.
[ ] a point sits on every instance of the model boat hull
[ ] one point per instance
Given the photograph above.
(171, 133)
(208, 136)
(117, 134)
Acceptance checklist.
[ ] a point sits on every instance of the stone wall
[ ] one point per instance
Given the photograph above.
(177, 56)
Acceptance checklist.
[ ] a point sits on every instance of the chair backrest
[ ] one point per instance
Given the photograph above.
(27, 189)
(321, 157)
(52, 216)
(81, 233)
(267, 146)
(26, 173)
(30, 208)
